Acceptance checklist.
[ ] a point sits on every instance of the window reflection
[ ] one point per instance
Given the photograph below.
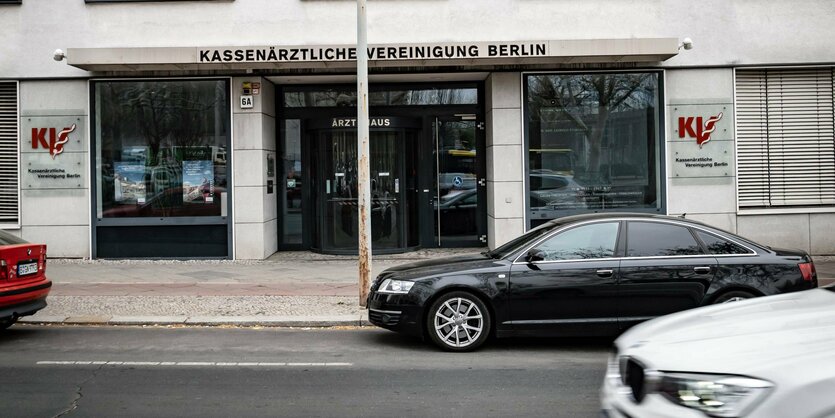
(348, 98)
(292, 163)
(647, 239)
(716, 245)
(592, 142)
(584, 242)
(161, 148)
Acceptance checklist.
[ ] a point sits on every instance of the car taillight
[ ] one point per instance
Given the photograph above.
(807, 270)
(4, 270)
(42, 259)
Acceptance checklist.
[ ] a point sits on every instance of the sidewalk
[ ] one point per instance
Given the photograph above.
(293, 289)
(300, 289)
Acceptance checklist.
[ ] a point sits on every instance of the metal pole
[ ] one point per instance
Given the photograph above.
(363, 167)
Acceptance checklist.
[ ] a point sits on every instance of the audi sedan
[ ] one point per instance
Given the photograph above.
(770, 357)
(593, 274)
(23, 282)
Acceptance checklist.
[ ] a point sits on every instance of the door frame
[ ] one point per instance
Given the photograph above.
(422, 136)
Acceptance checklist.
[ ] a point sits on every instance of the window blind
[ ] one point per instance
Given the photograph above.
(785, 143)
(8, 153)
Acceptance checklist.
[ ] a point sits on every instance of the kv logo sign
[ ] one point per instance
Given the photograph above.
(57, 139)
(702, 131)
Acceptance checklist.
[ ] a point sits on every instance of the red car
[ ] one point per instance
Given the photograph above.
(23, 282)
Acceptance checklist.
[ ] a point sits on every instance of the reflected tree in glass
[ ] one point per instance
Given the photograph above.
(588, 102)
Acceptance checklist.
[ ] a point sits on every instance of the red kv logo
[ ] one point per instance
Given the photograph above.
(57, 139)
(702, 132)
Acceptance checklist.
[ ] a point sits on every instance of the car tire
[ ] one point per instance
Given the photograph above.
(733, 296)
(458, 321)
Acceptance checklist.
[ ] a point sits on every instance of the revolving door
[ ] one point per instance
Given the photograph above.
(392, 182)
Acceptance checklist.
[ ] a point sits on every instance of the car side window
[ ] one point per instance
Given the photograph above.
(580, 243)
(716, 245)
(655, 239)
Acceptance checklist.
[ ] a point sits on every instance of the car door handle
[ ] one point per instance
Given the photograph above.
(701, 270)
(604, 273)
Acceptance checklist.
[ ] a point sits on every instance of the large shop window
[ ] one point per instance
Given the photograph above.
(785, 140)
(8, 154)
(593, 143)
(161, 160)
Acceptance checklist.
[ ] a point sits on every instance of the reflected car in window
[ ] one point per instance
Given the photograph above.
(458, 212)
(551, 191)
(770, 357)
(23, 282)
(593, 274)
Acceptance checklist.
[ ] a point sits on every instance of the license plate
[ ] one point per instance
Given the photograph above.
(29, 268)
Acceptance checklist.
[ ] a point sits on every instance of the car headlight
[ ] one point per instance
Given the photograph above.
(400, 287)
(715, 395)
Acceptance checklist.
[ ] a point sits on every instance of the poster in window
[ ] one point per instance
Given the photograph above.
(129, 182)
(198, 181)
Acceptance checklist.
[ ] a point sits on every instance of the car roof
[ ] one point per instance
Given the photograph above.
(621, 215)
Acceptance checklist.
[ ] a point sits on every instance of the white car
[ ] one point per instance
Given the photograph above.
(766, 357)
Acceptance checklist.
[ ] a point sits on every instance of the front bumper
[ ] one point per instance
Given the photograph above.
(398, 313)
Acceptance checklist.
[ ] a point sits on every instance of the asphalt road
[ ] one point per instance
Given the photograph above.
(230, 372)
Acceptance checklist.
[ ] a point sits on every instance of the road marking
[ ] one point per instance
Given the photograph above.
(187, 364)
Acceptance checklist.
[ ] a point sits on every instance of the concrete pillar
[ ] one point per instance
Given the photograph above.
(56, 213)
(505, 159)
(253, 143)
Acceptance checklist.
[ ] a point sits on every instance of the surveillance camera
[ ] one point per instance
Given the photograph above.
(58, 55)
(687, 43)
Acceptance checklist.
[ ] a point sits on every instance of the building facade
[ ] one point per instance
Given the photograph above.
(227, 129)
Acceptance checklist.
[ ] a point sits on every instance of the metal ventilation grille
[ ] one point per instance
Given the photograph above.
(785, 141)
(8, 153)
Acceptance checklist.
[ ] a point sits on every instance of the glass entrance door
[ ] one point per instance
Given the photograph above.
(337, 206)
(457, 194)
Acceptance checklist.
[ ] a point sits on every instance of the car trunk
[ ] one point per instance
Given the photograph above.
(22, 263)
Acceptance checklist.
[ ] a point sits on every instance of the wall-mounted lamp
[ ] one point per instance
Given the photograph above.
(58, 55)
(686, 43)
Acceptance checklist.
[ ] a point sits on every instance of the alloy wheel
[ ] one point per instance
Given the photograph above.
(458, 322)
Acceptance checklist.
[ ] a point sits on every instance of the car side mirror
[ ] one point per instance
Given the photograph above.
(534, 255)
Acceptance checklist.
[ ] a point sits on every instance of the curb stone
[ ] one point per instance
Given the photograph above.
(243, 321)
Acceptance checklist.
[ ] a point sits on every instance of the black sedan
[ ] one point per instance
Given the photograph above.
(592, 274)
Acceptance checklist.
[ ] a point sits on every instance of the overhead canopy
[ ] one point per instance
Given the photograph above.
(457, 54)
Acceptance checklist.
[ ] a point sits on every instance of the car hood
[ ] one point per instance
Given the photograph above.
(439, 266)
(766, 337)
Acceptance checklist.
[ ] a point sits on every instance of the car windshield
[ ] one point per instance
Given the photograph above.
(515, 244)
(9, 239)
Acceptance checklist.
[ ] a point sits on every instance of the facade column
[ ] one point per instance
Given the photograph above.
(505, 163)
(255, 206)
(55, 212)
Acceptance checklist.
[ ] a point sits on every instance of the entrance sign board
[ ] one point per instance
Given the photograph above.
(343, 56)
